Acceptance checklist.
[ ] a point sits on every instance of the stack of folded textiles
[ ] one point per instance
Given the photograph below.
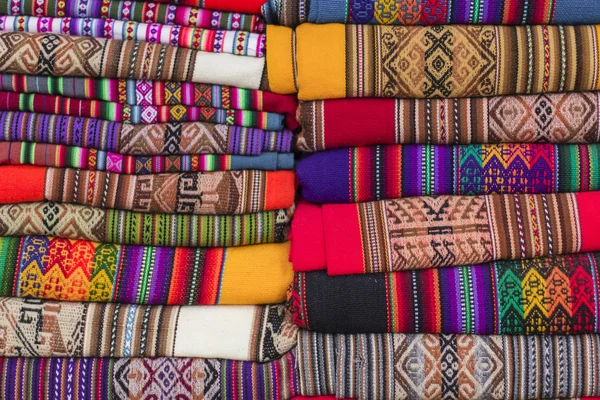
(447, 243)
(146, 194)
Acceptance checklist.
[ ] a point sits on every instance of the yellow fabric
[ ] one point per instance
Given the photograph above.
(321, 61)
(256, 274)
(280, 67)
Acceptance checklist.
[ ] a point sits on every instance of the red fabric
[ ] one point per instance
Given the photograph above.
(282, 104)
(342, 239)
(30, 180)
(373, 127)
(307, 252)
(240, 6)
(588, 204)
(317, 398)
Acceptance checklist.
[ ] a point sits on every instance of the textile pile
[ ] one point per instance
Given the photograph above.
(294, 199)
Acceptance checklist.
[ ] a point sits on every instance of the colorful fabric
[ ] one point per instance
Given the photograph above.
(147, 378)
(552, 118)
(387, 172)
(397, 366)
(431, 12)
(126, 114)
(427, 62)
(429, 232)
(59, 156)
(142, 140)
(240, 43)
(246, 6)
(125, 227)
(137, 11)
(154, 93)
(556, 295)
(64, 55)
(42, 267)
(248, 333)
(219, 192)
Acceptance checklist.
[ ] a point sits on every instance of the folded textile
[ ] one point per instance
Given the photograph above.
(138, 11)
(52, 155)
(245, 6)
(248, 333)
(397, 366)
(427, 232)
(43, 267)
(360, 174)
(219, 192)
(147, 378)
(154, 93)
(49, 104)
(77, 222)
(64, 55)
(553, 118)
(431, 12)
(148, 140)
(554, 295)
(425, 62)
(216, 41)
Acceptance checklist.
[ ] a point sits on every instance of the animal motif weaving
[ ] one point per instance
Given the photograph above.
(42, 267)
(217, 41)
(430, 62)
(552, 118)
(48, 104)
(52, 155)
(141, 140)
(554, 295)
(429, 232)
(125, 227)
(63, 55)
(45, 328)
(361, 174)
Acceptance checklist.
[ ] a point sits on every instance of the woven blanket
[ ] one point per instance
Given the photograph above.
(49, 104)
(426, 62)
(154, 93)
(219, 192)
(360, 174)
(553, 118)
(147, 378)
(397, 366)
(555, 295)
(217, 41)
(431, 12)
(64, 55)
(52, 155)
(246, 6)
(137, 11)
(125, 227)
(147, 140)
(41, 267)
(426, 232)
(248, 333)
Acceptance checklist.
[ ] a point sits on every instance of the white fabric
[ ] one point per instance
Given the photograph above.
(228, 69)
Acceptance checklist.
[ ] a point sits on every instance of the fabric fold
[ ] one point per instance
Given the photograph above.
(78, 222)
(396, 366)
(154, 93)
(430, 12)
(429, 232)
(42, 267)
(359, 174)
(442, 61)
(246, 333)
(124, 378)
(219, 192)
(141, 140)
(552, 118)
(59, 156)
(63, 55)
(554, 295)
(138, 11)
(126, 114)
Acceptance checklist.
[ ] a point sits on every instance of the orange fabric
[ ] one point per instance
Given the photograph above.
(31, 181)
(280, 189)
